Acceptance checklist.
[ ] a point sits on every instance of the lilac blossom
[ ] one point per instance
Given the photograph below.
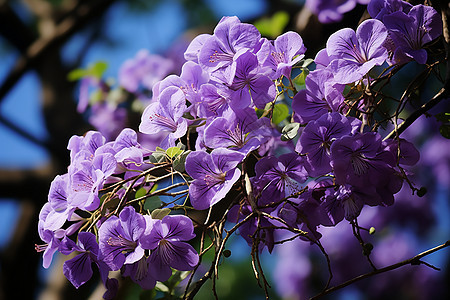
(405, 151)
(230, 36)
(242, 131)
(317, 137)
(139, 272)
(362, 162)
(410, 32)
(332, 11)
(166, 115)
(322, 59)
(379, 8)
(90, 142)
(119, 238)
(78, 270)
(214, 175)
(144, 69)
(167, 240)
(87, 178)
(52, 238)
(286, 51)
(58, 199)
(344, 201)
(305, 212)
(356, 53)
(264, 238)
(249, 83)
(277, 178)
(322, 95)
(108, 118)
(215, 101)
(190, 81)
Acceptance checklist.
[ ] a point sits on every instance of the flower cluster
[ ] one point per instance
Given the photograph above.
(221, 131)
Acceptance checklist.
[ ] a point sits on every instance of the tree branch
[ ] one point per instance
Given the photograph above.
(412, 261)
(83, 13)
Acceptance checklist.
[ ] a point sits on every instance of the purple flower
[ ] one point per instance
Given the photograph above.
(230, 36)
(332, 11)
(140, 273)
(108, 118)
(410, 32)
(408, 154)
(362, 162)
(280, 56)
(344, 201)
(195, 46)
(356, 53)
(379, 8)
(90, 142)
(242, 131)
(167, 240)
(249, 83)
(306, 211)
(322, 95)
(57, 197)
(214, 175)
(52, 238)
(119, 238)
(190, 81)
(215, 101)
(144, 69)
(265, 237)
(85, 182)
(277, 178)
(166, 115)
(317, 137)
(78, 270)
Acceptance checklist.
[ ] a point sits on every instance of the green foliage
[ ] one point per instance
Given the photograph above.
(160, 213)
(95, 70)
(299, 80)
(173, 151)
(180, 161)
(273, 26)
(140, 192)
(280, 112)
(152, 203)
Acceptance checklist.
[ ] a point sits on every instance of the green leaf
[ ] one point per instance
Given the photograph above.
(97, 69)
(77, 74)
(140, 192)
(173, 151)
(280, 112)
(154, 187)
(299, 80)
(289, 131)
(273, 26)
(445, 131)
(180, 162)
(157, 157)
(152, 203)
(94, 70)
(160, 213)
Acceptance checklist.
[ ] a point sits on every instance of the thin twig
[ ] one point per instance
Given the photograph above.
(412, 261)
